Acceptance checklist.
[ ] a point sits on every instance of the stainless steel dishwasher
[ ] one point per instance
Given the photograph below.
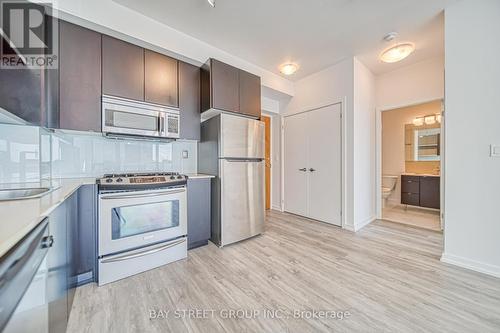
(23, 283)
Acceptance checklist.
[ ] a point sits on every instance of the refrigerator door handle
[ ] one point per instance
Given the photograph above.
(244, 159)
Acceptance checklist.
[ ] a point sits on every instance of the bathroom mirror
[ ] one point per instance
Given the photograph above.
(422, 143)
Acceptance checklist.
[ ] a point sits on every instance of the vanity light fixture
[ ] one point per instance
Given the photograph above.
(397, 52)
(288, 68)
(430, 120)
(438, 117)
(419, 121)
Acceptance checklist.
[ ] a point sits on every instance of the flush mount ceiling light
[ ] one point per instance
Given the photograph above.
(397, 52)
(289, 68)
(211, 2)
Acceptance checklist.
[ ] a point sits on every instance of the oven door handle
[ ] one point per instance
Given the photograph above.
(145, 195)
(144, 253)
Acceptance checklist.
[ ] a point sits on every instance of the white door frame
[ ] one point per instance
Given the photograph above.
(271, 153)
(343, 149)
(378, 154)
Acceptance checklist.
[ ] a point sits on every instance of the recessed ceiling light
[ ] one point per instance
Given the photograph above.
(211, 2)
(289, 68)
(397, 52)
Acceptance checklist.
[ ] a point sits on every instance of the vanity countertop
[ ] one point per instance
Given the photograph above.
(420, 174)
(19, 217)
(198, 175)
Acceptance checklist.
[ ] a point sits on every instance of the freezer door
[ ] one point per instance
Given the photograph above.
(242, 200)
(241, 137)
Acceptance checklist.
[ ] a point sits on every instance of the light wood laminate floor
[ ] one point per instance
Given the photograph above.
(387, 276)
(419, 217)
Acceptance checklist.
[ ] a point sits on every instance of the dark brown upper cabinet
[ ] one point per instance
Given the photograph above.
(250, 101)
(80, 78)
(227, 88)
(189, 101)
(122, 69)
(161, 79)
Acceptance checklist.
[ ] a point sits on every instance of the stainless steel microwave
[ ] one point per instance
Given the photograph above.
(129, 117)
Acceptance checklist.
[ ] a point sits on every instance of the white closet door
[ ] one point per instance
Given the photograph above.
(324, 164)
(295, 164)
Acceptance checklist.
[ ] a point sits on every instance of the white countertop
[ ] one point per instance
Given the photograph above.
(19, 217)
(420, 174)
(199, 175)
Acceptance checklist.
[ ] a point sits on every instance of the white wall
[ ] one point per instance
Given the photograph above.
(472, 179)
(364, 146)
(110, 15)
(331, 85)
(352, 83)
(414, 84)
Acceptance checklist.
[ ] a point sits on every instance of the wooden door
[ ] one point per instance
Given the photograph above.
(161, 84)
(295, 163)
(122, 69)
(250, 94)
(267, 155)
(225, 81)
(80, 78)
(324, 164)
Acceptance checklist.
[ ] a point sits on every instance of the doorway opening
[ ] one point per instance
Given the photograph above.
(410, 169)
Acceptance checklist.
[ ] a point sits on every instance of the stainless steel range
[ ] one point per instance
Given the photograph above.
(142, 223)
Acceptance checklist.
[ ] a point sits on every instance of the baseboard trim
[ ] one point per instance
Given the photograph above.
(275, 207)
(471, 264)
(358, 226)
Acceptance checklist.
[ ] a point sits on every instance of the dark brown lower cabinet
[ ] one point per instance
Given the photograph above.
(430, 192)
(423, 191)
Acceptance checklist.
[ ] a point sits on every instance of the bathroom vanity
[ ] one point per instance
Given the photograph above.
(420, 190)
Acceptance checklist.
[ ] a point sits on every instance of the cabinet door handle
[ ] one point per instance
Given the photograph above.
(312, 170)
(303, 169)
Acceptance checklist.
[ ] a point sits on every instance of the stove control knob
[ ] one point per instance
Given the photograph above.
(109, 180)
(119, 180)
(172, 177)
(179, 177)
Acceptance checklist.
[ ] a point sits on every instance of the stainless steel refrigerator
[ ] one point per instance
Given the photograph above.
(232, 149)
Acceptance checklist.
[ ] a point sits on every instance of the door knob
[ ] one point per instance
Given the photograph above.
(312, 170)
(303, 169)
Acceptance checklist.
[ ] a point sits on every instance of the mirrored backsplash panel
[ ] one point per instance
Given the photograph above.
(29, 153)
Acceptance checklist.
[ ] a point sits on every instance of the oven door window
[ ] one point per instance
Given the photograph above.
(140, 219)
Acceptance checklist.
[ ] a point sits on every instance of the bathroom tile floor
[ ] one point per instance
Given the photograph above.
(423, 218)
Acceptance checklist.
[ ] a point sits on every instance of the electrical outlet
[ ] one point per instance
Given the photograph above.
(185, 154)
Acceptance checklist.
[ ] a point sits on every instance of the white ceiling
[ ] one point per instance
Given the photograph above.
(314, 33)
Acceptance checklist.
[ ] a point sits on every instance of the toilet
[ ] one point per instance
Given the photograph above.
(388, 185)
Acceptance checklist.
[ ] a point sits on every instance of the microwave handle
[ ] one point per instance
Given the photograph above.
(162, 124)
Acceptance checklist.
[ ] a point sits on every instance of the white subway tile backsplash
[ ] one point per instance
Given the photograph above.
(30, 153)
